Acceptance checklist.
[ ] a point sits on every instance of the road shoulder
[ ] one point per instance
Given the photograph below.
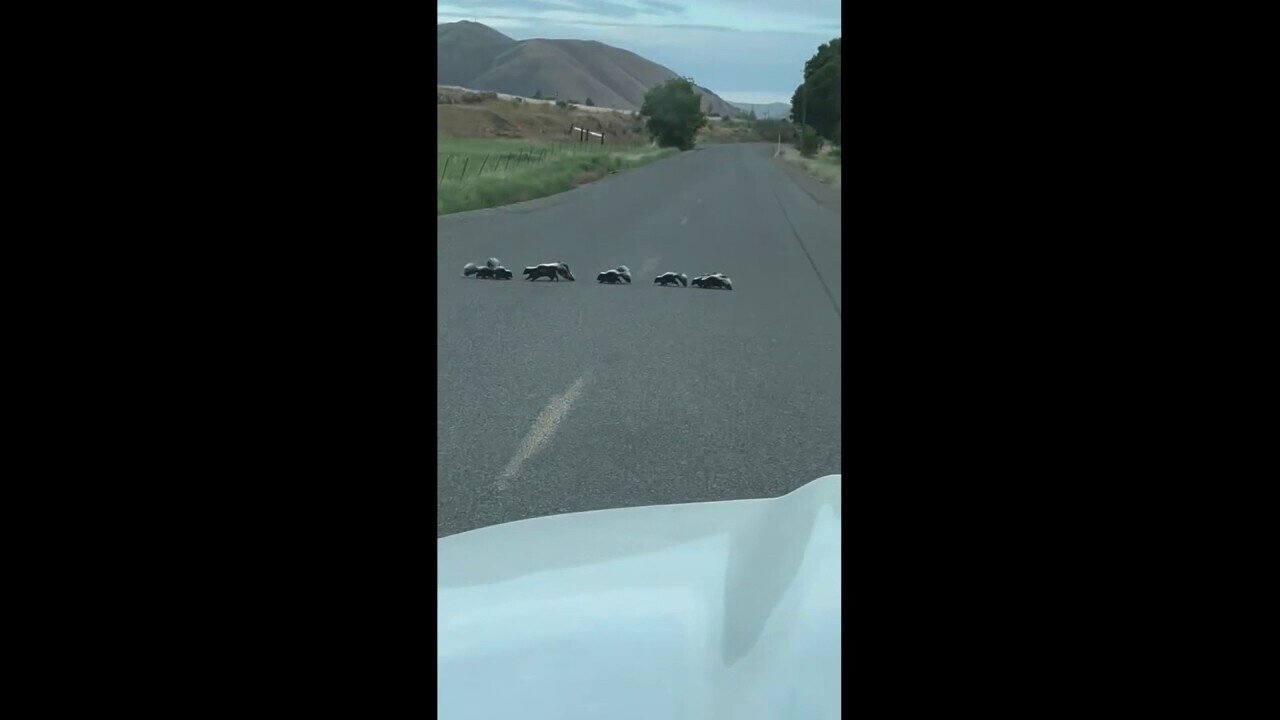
(822, 193)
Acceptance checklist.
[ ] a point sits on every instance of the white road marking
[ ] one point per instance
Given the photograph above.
(544, 427)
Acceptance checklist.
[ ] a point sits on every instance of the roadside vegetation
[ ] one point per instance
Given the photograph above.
(673, 114)
(480, 173)
(810, 138)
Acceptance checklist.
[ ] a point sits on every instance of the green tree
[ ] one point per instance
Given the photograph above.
(537, 94)
(816, 101)
(674, 114)
(589, 103)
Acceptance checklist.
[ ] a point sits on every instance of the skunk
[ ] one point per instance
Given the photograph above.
(501, 273)
(491, 265)
(613, 277)
(555, 271)
(716, 280)
(625, 272)
(672, 278)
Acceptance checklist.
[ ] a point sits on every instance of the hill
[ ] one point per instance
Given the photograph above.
(774, 111)
(476, 56)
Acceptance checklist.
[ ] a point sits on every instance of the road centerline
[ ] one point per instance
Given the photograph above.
(544, 427)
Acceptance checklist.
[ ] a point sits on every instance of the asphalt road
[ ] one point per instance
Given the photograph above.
(570, 396)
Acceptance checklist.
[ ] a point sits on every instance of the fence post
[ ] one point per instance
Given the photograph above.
(482, 164)
(465, 162)
(446, 167)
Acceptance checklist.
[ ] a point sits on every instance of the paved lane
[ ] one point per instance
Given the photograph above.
(562, 397)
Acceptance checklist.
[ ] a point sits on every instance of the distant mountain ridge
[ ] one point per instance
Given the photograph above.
(773, 111)
(474, 55)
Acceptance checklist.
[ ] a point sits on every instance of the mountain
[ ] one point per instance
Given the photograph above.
(476, 56)
(775, 111)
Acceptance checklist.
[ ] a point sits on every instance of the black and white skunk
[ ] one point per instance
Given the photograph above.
(555, 271)
(672, 278)
(714, 280)
(473, 269)
(492, 269)
(612, 277)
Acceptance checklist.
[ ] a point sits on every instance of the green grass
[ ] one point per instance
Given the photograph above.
(555, 167)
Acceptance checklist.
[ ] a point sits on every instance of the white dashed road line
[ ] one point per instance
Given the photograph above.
(544, 427)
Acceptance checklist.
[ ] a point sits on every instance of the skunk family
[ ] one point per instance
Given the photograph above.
(671, 278)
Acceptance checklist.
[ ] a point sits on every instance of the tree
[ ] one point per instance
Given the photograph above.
(816, 102)
(537, 94)
(589, 103)
(674, 113)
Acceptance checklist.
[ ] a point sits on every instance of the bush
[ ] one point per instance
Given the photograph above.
(810, 142)
(562, 104)
(478, 97)
(674, 113)
(769, 130)
(589, 103)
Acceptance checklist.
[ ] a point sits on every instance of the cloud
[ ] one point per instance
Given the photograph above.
(586, 7)
(546, 22)
(662, 6)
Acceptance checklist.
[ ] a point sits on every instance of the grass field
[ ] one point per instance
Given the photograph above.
(480, 173)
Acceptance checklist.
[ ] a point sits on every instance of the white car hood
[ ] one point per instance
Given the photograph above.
(706, 610)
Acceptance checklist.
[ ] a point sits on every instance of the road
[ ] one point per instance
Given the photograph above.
(572, 396)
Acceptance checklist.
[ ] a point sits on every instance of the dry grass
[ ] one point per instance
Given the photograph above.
(825, 167)
(536, 120)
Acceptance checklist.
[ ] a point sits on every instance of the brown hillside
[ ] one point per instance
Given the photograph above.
(567, 69)
(507, 118)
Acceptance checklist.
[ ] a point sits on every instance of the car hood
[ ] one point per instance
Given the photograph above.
(704, 610)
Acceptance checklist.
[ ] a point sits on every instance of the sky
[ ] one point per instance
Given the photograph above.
(750, 51)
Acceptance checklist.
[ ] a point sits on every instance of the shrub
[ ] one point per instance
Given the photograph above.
(810, 143)
(769, 130)
(562, 104)
(589, 103)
